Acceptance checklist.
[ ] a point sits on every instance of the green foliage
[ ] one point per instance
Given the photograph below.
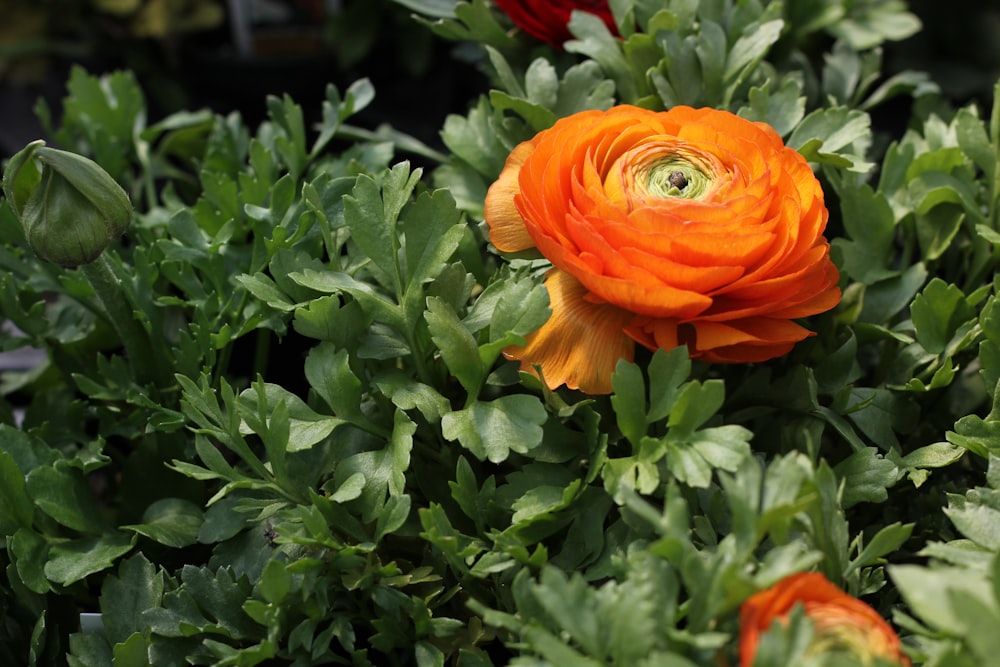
(329, 460)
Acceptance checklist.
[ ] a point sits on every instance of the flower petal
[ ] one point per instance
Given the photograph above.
(507, 230)
(582, 341)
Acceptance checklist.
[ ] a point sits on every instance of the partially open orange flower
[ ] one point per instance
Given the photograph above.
(841, 623)
(684, 227)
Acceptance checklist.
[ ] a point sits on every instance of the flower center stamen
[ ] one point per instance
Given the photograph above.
(676, 176)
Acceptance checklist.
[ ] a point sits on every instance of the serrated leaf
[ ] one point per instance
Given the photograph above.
(384, 469)
(937, 312)
(137, 586)
(867, 477)
(432, 229)
(306, 427)
(782, 109)
(74, 560)
(695, 404)
(492, 429)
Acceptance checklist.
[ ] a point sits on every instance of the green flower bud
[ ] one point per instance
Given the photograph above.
(70, 208)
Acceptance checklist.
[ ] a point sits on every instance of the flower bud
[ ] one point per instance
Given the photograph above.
(70, 208)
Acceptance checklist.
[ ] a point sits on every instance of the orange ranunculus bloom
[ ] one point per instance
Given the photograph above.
(683, 227)
(548, 20)
(840, 622)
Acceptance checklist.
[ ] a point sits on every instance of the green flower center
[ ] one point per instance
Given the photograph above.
(675, 176)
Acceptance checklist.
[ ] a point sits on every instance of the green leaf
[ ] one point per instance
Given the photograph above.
(372, 211)
(492, 429)
(629, 401)
(522, 307)
(124, 596)
(89, 650)
(975, 142)
(306, 427)
(374, 303)
(29, 552)
(751, 48)
(133, 652)
(457, 346)
(938, 312)
(867, 477)
(843, 134)
(593, 39)
(74, 560)
(408, 394)
(329, 372)
(695, 404)
(884, 542)
(63, 494)
(384, 470)
(886, 298)
(433, 230)
(870, 24)
(174, 522)
(667, 372)
(275, 582)
(265, 289)
(935, 595)
(977, 435)
(325, 319)
(16, 509)
(937, 455)
(782, 109)
(979, 523)
(477, 139)
(393, 515)
(870, 224)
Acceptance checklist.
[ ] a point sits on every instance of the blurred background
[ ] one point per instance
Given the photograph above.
(227, 55)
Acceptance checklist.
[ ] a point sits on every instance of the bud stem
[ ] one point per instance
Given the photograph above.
(146, 365)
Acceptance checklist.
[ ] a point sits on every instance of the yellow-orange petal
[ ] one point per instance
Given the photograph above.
(581, 342)
(507, 230)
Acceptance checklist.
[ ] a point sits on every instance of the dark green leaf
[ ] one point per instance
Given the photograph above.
(491, 430)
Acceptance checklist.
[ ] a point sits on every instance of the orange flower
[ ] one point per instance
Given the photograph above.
(683, 227)
(840, 622)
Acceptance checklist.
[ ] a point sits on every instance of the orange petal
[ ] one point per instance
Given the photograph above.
(507, 230)
(581, 342)
(745, 341)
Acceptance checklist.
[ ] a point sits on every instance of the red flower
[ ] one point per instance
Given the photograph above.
(547, 19)
(840, 622)
(684, 227)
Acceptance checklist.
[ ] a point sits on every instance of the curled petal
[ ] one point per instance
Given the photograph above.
(507, 230)
(581, 342)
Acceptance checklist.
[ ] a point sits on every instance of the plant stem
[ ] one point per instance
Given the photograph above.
(147, 367)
